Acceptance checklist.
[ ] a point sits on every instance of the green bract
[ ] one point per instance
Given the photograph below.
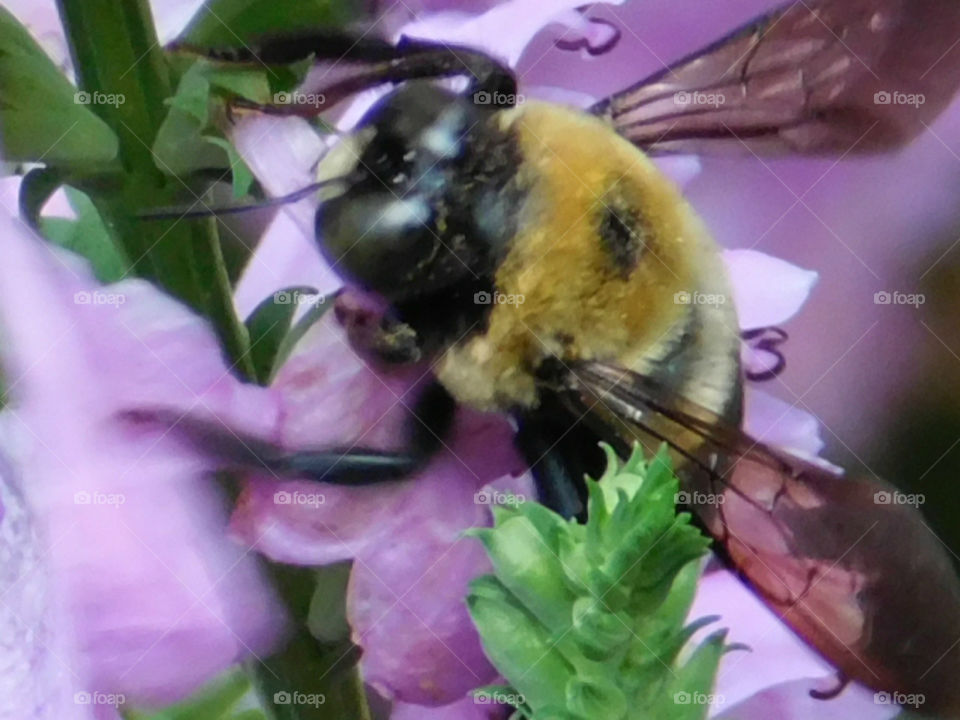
(589, 621)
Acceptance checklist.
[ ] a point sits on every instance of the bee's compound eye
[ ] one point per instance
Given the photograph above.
(376, 239)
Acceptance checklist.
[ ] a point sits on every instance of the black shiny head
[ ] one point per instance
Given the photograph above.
(427, 206)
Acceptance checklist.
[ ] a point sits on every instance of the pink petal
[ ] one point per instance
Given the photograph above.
(332, 398)
(503, 31)
(464, 709)
(411, 564)
(679, 168)
(779, 423)
(406, 607)
(157, 600)
(784, 426)
(35, 680)
(41, 18)
(777, 654)
(768, 291)
(172, 16)
(282, 153)
(792, 701)
(406, 599)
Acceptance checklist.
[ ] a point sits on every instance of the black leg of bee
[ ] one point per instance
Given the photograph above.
(433, 417)
(383, 63)
(560, 451)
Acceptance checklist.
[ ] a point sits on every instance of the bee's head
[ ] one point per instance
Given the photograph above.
(423, 204)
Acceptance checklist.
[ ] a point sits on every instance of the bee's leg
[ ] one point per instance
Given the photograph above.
(560, 451)
(382, 62)
(376, 336)
(431, 422)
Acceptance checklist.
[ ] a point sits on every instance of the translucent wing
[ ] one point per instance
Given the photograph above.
(818, 77)
(849, 567)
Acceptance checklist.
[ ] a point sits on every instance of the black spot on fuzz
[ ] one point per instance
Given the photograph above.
(623, 236)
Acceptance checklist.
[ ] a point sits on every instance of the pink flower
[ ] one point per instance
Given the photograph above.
(125, 557)
(411, 563)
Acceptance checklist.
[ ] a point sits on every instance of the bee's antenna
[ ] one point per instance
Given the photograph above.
(181, 213)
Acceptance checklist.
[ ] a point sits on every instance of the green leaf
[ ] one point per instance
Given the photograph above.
(36, 189)
(518, 646)
(228, 698)
(270, 322)
(306, 666)
(687, 696)
(327, 615)
(42, 116)
(180, 147)
(88, 236)
(590, 621)
(184, 142)
(296, 334)
(249, 83)
(243, 177)
(226, 23)
(530, 570)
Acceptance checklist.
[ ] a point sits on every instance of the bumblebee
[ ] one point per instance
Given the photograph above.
(536, 255)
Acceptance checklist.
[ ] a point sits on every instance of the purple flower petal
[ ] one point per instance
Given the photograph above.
(465, 709)
(407, 610)
(792, 701)
(767, 291)
(778, 423)
(679, 168)
(35, 682)
(333, 398)
(406, 598)
(503, 31)
(776, 654)
(156, 599)
(411, 564)
(282, 153)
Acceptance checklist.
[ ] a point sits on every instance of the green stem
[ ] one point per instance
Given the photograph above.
(306, 665)
(116, 53)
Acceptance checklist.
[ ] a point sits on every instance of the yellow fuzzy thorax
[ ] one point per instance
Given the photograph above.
(561, 292)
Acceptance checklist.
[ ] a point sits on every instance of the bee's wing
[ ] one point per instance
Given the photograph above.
(862, 580)
(815, 77)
